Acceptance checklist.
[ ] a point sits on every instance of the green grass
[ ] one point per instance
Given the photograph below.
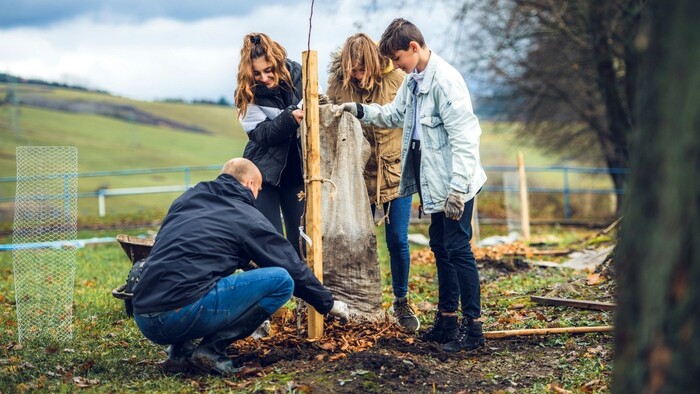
(109, 354)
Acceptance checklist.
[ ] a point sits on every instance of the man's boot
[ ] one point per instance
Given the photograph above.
(471, 336)
(178, 357)
(444, 329)
(210, 356)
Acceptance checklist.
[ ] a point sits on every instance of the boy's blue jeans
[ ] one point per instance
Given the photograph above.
(458, 276)
(396, 230)
(269, 288)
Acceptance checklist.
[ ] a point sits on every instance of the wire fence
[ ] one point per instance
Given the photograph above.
(567, 183)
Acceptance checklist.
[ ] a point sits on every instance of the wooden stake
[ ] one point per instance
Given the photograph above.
(546, 331)
(581, 304)
(524, 207)
(314, 255)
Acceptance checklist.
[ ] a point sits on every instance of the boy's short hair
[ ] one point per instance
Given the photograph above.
(398, 35)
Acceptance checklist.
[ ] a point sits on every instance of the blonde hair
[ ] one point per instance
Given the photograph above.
(360, 50)
(257, 45)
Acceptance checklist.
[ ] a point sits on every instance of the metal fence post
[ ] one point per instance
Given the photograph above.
(101, 202)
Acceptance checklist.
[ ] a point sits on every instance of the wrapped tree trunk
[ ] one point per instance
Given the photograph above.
(658, 257)
(350, 264)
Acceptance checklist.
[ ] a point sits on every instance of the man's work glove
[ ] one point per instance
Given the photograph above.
(454, 206)
(340, 310)
(345, 107)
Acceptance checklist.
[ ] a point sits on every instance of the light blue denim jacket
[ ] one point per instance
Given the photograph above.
(450, 134)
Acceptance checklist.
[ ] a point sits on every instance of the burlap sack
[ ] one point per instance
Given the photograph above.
(350, 264)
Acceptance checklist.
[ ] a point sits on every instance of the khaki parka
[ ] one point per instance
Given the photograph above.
(385, 143)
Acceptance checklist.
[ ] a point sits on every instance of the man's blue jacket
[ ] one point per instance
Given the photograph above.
(210, 231)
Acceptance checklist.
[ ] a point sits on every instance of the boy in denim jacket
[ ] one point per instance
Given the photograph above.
(440, 161)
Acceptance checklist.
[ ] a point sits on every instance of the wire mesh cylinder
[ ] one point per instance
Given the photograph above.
(45, 211)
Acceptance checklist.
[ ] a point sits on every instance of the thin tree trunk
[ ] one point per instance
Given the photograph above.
(658, 257)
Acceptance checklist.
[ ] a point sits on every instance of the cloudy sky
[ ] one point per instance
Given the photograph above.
(154, 49)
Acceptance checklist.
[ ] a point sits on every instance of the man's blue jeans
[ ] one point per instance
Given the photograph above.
(458, 276)
(269, 288)
(396, 230)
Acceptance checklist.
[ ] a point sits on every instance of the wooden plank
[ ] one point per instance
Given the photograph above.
(314, 256)
(582, 304)
(551, 252)
(546, 331)
(524, 206)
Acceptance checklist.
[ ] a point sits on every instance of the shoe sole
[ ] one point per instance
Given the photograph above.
(451, 350)
(411, 323)
(174, 367)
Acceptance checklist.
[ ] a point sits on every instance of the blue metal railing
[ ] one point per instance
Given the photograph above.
(566, 189)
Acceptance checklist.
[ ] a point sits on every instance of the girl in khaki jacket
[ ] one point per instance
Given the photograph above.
(359, 74)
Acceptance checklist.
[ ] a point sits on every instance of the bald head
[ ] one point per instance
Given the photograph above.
(245, 172)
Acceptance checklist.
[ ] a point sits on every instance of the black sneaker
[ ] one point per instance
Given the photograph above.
(444, 329)
(471, 336)
(405, 315)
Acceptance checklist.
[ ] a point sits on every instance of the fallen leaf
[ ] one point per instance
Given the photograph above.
(594, 279)
(251, 371)
(337, 356)
(556, 389)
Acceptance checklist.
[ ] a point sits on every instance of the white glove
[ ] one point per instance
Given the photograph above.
(340, 310)
(345, 107)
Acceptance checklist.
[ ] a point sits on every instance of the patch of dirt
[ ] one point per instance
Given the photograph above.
(393, 361)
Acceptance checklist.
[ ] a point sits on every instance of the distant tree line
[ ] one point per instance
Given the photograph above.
(7, 78)
(221, 101)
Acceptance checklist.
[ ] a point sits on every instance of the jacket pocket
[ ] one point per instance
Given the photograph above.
(433, 135)
(391, 166)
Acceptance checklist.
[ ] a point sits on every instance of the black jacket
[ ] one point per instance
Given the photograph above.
(210, 231)
(269, 143)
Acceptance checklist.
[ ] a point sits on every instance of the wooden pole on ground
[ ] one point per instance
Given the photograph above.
(546, 331)
(524, 207)
(581, 304)
(314, 255)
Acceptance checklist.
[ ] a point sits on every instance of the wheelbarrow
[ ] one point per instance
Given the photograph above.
(137, 249)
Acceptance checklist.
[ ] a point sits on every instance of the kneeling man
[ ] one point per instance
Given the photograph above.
(187, 290)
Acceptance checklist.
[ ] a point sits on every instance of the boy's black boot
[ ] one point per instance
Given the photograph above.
(471, 336)
(444, 329)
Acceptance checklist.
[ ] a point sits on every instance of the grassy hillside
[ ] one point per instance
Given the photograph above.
(119, 142)
(106, 143)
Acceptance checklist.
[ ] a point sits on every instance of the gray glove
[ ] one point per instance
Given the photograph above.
(345, 107)
(454, 206)
(340, 310)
